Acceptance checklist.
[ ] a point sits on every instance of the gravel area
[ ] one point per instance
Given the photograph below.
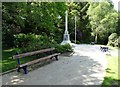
(85, 67)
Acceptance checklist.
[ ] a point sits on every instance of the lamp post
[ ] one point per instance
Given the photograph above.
(75, 29)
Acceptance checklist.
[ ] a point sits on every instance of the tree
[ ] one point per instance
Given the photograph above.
(79, 9)
(31, 17)
(103, 20)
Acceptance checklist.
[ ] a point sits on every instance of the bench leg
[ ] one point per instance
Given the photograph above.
(56, 57)
(25, 69)
(18, 70)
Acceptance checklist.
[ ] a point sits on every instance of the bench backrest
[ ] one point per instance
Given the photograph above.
(32, 53)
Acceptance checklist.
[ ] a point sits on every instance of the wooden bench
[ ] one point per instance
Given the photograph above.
(24, 66)
(104, 49)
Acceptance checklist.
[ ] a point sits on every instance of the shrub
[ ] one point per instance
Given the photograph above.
(119, 42)
(40, 44)
(32, 42)
(113, 40)
(113, 37)
(64, 48)
(22, 40)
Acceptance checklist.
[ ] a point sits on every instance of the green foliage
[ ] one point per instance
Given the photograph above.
(31, 42)
(113, 40)
(63, 48)
(21, 40)
(83, 30)
(38, 44)
(118, 42)
(96, 20)
(112, 72)
(118, 24)
(30, 17)
(103, 20)
(113, 37)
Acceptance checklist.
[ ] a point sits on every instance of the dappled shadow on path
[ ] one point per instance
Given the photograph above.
(15, 78)
(86, 71)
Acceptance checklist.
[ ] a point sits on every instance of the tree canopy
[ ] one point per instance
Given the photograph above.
(95, 20)
(103, 20)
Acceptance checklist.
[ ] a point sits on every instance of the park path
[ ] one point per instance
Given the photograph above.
(85, 67)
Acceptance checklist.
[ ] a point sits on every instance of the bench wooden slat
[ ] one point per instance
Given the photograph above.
(32, 53)
(38, 60)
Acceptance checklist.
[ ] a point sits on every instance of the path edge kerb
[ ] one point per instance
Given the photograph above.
(9, 71)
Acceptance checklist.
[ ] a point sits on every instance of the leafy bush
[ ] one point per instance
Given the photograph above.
(63, 48)
(113, 37)
(32, 42)
(22, 40)
(113, 40)
(38, 44)
(119, 42)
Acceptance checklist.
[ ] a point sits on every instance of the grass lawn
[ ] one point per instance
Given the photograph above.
(112, 74)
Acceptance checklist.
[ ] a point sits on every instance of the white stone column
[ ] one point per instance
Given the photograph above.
(66, 23)
(66, 38)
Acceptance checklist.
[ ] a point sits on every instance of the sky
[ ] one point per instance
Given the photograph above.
(116, 4)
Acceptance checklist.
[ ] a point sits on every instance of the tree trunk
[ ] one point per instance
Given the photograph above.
(96, 38)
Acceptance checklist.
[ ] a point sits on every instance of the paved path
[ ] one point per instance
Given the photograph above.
(86, 67)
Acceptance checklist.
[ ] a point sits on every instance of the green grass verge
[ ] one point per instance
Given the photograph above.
(112, 73)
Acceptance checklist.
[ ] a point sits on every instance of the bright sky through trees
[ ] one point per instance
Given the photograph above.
(116, 4)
